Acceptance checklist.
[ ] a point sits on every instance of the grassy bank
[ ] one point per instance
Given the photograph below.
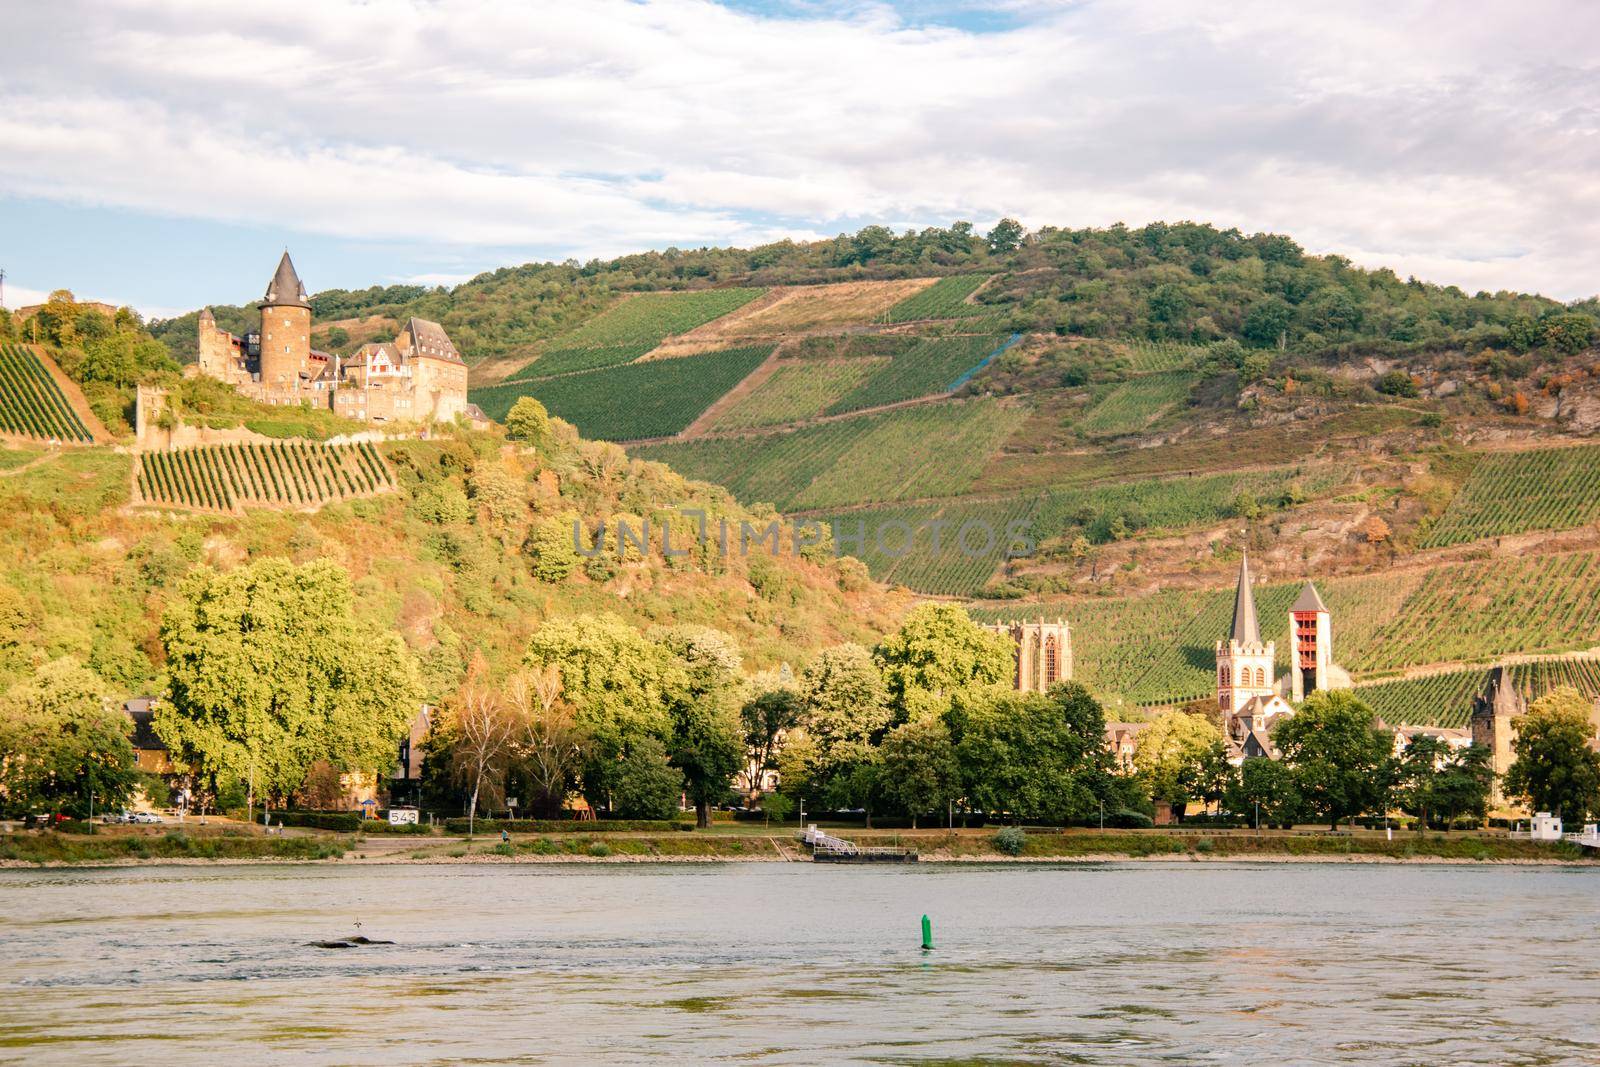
(78, 848)
(1247, 845)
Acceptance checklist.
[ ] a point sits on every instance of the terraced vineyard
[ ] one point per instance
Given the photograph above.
(228, 478)
(1176, 503)
(1515, 492)
(797, 391)
(656, 398)
(569, 360)
(1446, 699)
(649, 318)
(31, 403)
(944, 299)
(950, 549)
(939, 450)
(928, 366)
(1431, 700)
(1135, 404)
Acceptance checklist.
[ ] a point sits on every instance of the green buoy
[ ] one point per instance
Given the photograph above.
(927, 935)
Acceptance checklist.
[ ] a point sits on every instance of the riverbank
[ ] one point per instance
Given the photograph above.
(963, 847)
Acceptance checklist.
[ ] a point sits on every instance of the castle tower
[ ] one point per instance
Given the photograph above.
(1311, 629)
(1244, 662)
(1044, 653)
(285, 329)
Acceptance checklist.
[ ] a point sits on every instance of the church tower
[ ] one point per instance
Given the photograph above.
(285, 330)
(1244, 662)
(1311, 627)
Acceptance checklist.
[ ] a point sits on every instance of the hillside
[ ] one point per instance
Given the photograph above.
(1095, 422)
(453, 542)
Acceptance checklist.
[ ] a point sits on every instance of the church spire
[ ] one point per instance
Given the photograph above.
(285, 289)
(1245, 629)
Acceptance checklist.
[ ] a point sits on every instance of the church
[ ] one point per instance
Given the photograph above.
(417, 377)
(1250, 698)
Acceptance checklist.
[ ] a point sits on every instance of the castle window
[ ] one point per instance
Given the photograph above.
(1051, 663)
(1224, 675)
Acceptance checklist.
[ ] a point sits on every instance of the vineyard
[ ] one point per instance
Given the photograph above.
(656, 398)
(31, 403)
(649, 318)
(944, 299)
(939, 450)
(1175, 503)
(1149, 357)
(231, 477)
(1135, 404)
(570, 360)
(946, 549)
(797, 391)
(1446, 699)
(928, 366)
(1515, 492)
(1160, 649)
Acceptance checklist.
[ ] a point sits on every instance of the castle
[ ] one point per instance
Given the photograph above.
(417, 377)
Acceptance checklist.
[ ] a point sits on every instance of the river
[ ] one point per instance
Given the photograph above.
(792, 963)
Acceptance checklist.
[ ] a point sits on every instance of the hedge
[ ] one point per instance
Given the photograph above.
(559, 826)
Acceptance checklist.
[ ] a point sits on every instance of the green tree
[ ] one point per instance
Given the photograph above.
(1175, 754)
(1263, 790)
(1333, 311)
(844, 713)
(766, 717)
(1031, 755)
(61, 741)
(937, 653)
(1555, 769)
(1006, 236)
(1265, 322)
(618, 683)
(1523, 333)
(918, 772)
(707, 742)
(1568, 334)
(647, 786)
(528, 421)
(270, 669)
(1339, 757)
(1432, 780)
(551, 548)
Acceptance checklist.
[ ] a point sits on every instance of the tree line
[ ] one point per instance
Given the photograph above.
(275, 682)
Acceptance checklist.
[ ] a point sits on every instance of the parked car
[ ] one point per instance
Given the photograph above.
(146, 817)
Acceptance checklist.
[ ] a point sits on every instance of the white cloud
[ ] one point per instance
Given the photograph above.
(1444, 139)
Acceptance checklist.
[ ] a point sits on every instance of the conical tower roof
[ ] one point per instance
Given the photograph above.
(285, 289)
(1245, 629)
(1309, 600)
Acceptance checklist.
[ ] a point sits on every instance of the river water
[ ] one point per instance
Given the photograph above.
(797, 963)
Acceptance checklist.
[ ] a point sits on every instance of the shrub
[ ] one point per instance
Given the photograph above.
(1397, 383)
(1128, 819)
(1011, 840)
(599, 849)
(1205, 844)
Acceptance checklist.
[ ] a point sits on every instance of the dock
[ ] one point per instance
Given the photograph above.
(826, 848)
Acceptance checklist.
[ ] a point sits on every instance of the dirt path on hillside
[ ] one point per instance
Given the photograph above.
(752, 381)
(37, 461)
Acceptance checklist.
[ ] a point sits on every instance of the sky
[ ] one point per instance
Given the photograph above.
(164, 152)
